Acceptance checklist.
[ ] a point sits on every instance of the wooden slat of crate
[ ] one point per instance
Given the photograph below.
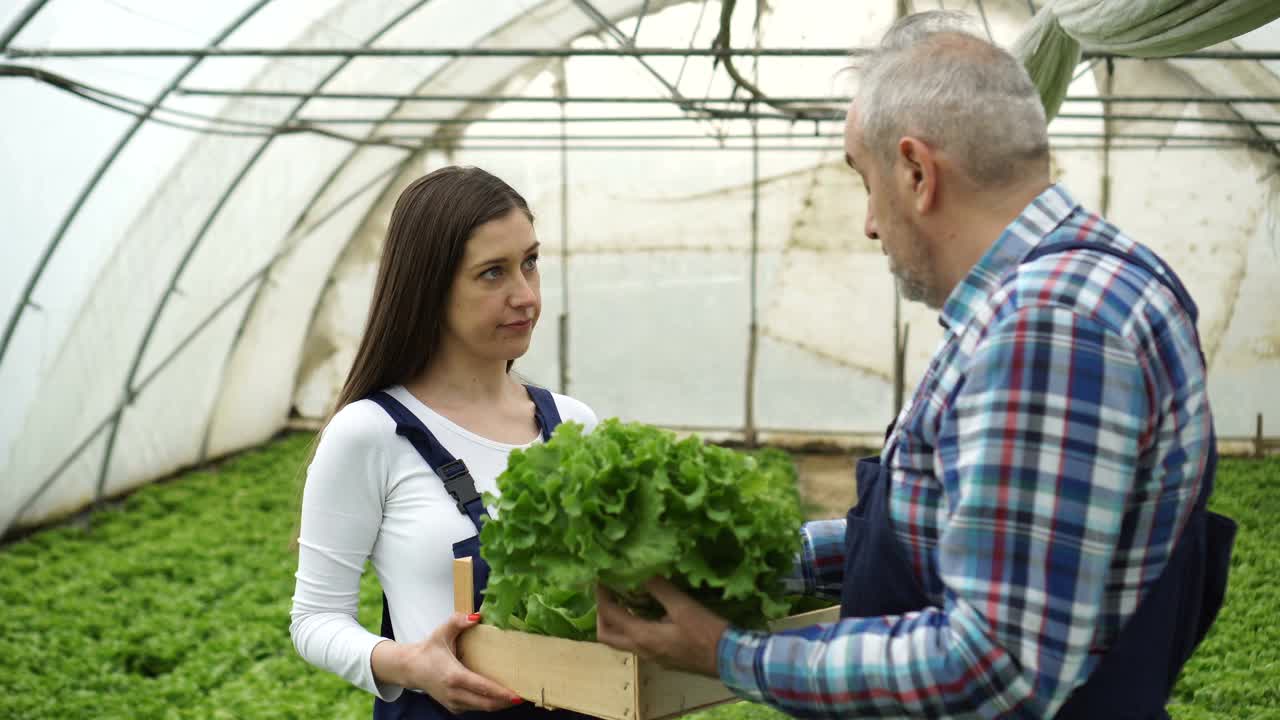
(590, 677)
(554, 672)
(587, 677)
(666, 693)
(813, 617)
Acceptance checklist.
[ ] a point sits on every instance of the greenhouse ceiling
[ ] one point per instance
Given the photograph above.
(202, 187)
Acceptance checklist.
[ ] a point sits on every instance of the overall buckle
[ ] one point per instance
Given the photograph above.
(459, 484)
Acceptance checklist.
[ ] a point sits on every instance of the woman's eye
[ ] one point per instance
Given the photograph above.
(531, 262)
(492, 273)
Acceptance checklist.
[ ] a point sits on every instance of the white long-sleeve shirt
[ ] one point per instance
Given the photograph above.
(369, 494)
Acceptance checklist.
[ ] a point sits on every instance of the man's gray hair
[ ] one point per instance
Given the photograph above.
(935, 79)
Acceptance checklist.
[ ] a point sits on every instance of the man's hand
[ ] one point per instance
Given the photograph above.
(686, 639)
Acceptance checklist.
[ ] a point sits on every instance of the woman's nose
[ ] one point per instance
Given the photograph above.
(523, 294)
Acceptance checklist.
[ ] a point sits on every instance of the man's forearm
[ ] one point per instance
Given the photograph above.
(932, 663)
(820, 566)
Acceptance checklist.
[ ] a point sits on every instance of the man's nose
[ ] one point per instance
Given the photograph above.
(869, 227)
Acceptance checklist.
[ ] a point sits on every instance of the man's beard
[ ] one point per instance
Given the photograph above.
(913, 289)
(912, 279)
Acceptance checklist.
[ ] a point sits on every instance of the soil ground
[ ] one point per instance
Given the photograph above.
(827, 485)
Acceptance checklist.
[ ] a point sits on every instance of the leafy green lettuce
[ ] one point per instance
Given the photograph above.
(629, 502)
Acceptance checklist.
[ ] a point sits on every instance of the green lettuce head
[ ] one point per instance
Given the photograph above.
(629, 502)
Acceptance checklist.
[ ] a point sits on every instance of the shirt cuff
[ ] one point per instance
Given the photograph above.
(387, 692)
(738, 656)
(795, 581)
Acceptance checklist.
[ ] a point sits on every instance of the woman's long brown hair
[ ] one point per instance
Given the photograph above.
(430, 225)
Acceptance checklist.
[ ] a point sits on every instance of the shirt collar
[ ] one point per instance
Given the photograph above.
(1037, 220)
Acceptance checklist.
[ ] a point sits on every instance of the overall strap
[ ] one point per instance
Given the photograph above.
(1167, 277)
(451, 471)
(1161, 272)
(544, 410)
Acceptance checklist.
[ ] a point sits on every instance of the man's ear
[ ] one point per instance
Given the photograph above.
(918, 173)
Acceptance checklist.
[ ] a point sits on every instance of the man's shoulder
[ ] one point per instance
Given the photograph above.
(1102, 286)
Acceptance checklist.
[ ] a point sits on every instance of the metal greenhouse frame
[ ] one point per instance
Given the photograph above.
(814, 120)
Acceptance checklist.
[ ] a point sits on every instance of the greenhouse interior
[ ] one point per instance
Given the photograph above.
(198, 194)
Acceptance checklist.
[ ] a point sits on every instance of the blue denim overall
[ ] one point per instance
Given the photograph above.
(462, 488)
(1137, 674)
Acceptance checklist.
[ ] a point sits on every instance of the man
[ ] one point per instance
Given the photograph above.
(1032, 541)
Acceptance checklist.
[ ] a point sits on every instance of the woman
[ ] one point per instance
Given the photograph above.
(456, 301)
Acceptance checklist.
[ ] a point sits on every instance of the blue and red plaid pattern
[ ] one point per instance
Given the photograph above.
(1043, 470)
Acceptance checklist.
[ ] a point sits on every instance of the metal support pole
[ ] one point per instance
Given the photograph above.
(1109, 83)
(1259, 441)
(834, 100)
(20, 22)
(610, 29)
(544, 148)
(897, 349)
(539, 52)
(753, 327)
(562, 89)
(635, 32)
(623, 50)
(734, 115)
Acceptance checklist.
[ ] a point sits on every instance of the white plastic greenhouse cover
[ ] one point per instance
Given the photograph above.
(192, 292)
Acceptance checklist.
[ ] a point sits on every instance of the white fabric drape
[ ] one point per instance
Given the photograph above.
(1051, 46)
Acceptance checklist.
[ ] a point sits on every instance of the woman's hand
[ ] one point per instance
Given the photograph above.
(432, 666)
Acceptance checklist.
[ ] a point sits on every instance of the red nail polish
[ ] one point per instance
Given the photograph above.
(516, 700)
(474, 617)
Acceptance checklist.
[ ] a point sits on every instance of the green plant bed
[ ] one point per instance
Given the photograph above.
(175, 604)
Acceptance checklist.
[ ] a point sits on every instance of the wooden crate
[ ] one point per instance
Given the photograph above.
(589, 677)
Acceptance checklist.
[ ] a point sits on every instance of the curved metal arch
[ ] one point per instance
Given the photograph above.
(399, 105)
(384, 178)
(113, 419)
(250, 281)
(128, 391)
(21, 21)
(337, 172)
(25, 299)
(12, 324)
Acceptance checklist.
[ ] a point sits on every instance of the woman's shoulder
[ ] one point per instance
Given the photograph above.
(361, 423)
(355, 443)
(573, 409)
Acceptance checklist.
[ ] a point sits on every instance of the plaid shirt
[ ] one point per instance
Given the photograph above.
(1039, 479)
